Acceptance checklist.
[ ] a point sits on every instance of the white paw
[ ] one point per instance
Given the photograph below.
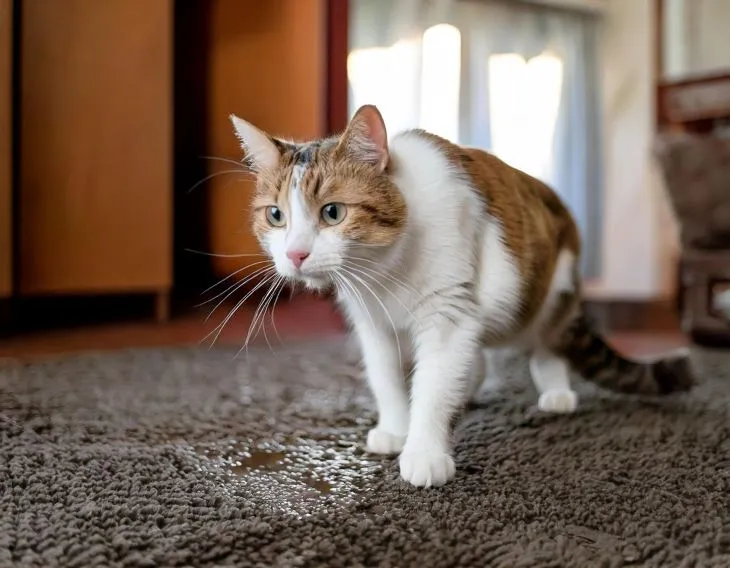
(563, 401)
(382, 442)
(427, 469)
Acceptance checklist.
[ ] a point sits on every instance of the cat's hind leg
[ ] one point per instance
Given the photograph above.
(552, 379)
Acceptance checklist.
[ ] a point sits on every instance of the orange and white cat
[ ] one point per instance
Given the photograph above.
(435, 251)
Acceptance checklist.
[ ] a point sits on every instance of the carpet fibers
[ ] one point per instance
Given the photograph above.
(197, 458)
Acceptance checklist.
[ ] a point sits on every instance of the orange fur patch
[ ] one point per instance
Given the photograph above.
(535, 222)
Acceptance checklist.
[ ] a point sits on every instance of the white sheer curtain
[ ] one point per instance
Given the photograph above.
(512, 77)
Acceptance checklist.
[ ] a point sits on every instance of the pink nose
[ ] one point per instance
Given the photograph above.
(297, 257)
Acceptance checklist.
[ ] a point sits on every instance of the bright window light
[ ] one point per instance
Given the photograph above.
(440, 81)
(414, 83)
(524, 99)
(384, 76)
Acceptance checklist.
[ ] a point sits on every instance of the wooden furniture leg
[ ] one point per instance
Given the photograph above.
(162, 306)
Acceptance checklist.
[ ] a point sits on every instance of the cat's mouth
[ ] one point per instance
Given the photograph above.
(316, 281)
(314, 278)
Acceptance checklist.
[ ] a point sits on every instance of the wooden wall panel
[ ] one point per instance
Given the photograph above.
(96, 134)
(6, 247)
(268, 65)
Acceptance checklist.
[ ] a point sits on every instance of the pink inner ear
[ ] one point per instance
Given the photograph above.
(376, 129)
(376, 137)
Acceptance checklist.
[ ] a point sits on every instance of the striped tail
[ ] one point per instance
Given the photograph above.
(589, 355)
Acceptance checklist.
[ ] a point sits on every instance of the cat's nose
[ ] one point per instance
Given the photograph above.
(297, 257)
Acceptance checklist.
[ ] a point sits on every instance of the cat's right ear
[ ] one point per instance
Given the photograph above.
(262, 152)
(365, 139)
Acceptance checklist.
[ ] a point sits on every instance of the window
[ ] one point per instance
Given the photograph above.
(519, 82)
(524, 99)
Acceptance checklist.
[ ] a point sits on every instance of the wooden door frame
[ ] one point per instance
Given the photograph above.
(8, 107)
(337, 42)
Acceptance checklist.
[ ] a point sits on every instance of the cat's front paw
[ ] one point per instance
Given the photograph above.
(383, 442)
(560, 401)
(426, 468)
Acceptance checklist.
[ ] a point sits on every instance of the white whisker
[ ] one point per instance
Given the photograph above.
(240, 165)
(223, 255)
(222, 325)
(357, 296)
(385, 310)
(395, 296)
(215, 174)
(273, 308)
(260, 313)
(407, 287)
(237, 287)
(231, 275)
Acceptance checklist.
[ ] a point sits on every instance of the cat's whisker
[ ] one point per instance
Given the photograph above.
(273, 308)
(262, 325)
(236, 287)
(357, 296)
(254, 328)
(222, 280)
(251, 276)
(350, 289)
(369, 245)
(224, 255)
(395, 296)
(217, 331)
(271, 305)
(213, 175)
(385, 310)
(405, 286)
(242, 166)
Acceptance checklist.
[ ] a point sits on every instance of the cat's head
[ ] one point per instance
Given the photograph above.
(319, 206)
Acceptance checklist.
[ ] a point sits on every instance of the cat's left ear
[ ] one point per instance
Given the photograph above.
(261, 150)
(365, 139)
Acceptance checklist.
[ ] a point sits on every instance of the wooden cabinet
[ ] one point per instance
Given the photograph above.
(95, 172)
(6, 250)
(96, 155)
(268, 65)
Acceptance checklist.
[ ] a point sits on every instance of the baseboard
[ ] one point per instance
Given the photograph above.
(6, 312)
(659, 315)
(44, 313)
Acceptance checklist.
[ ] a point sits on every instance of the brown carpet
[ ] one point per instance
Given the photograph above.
(192, 457)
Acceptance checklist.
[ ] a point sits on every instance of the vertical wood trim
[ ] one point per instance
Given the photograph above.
(658, 60)
(6, 134)
(337, 49)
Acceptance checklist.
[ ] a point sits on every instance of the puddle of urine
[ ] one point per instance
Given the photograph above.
(320, 485)
(289, 473)
(259, 459)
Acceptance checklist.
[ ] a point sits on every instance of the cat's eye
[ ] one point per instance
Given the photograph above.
(275, 216)
(333, 213)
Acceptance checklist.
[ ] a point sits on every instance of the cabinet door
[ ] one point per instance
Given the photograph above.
(267, 65)
(96, 146)
(6, 262)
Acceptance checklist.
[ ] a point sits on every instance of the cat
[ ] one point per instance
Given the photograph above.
(435, 251)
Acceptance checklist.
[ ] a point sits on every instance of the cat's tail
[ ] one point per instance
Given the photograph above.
(595, 360)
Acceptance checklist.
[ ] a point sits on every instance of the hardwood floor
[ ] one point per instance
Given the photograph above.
(303, 317)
